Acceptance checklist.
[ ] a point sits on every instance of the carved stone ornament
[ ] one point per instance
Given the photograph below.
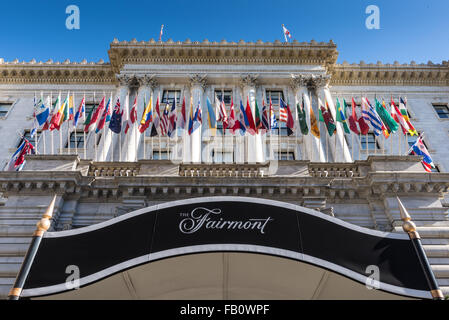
(125, 80)
(147, 80)
(248, 80)
(198, 80)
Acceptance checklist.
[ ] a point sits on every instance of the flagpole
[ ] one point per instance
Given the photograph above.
(43, 131)
(84, 119)
(95, 136)
(60, 127)
(352, 136)
(51, 131)
(310, 120)
(74, 114)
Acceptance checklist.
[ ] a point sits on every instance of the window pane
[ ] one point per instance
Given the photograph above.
(442, 111)
(169, 95)
(4, 108)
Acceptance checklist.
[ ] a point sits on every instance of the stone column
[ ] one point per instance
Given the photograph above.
(298, 84)
(125, 82)
(338, 147)
(315, 149)
(198, 84)
(254, 148)
(146, 85)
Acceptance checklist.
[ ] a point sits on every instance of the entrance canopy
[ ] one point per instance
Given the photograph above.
(199, 248)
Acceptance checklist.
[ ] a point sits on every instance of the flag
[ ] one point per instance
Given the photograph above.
(420, 149)
(94, 116)
(243, 119)
(397, 116)
(233, 123)
(56, 114)
(42, 111)
(211, 116)
(285, 115)
(286, 33)
(197, 118)
(302, 118)
(132, 115)
(50, 115)
(147, 116)
(71, 108)
(341, 116)
(80, 112)
(172, 117)
(182, 119)
(222, 116)
(125, 112)
(250, 120)
(155, 124)
(387, 119)
(273, 121)
(258, 120)
(364, 127)
(18, 158)
(313, 122)
(353, 119)
(369, 114)
(265, 118)
(160, 34)
(403, 109)
(327, 118)
(103, 119)
(191, 115)
(116, 120)
(65, 111)
(164, 120)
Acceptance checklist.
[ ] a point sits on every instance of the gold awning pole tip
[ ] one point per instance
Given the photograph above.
(408, 226)
(45, 222)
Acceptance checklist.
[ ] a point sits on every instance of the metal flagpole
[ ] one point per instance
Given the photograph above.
(312, 136)
(35, 121)
(352, 137)
(160, 133)
(410, 228)
(43, 135)
(68, 125)
(74, 127)
(42, 226)
(84, 133)
(51, 131)
(60, 127)
(95, 136)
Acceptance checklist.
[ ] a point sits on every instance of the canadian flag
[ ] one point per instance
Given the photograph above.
(286, 33)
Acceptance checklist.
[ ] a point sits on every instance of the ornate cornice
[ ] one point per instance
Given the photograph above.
(391, 74)
(205, 52)
(56, 72)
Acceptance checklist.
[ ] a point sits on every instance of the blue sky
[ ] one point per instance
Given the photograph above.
(409, 30)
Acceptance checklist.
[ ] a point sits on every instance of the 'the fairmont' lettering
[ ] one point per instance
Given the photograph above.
(203, 217)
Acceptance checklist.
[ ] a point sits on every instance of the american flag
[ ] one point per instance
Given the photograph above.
(164, 120)
(283, 116)
(222, 116)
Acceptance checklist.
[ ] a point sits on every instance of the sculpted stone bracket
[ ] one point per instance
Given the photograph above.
(248, 80)
(312, 82)
(198, 80)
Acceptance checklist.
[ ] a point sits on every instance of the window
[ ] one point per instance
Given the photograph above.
(224, 94)
(369, 142)
(285, 156)
(160, 155)
(169, 95)
(442, 110)
(412, 139)
(275, 96)
(4, 109)
(78, 142)
(220, 157)
(27, 135)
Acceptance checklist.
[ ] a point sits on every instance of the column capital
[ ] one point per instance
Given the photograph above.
(299, 80)
(147, 80)
(248, 80)
(126, 80)
(318, 81)
(198, 80)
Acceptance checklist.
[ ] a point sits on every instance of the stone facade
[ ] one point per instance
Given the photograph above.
(115, 175)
